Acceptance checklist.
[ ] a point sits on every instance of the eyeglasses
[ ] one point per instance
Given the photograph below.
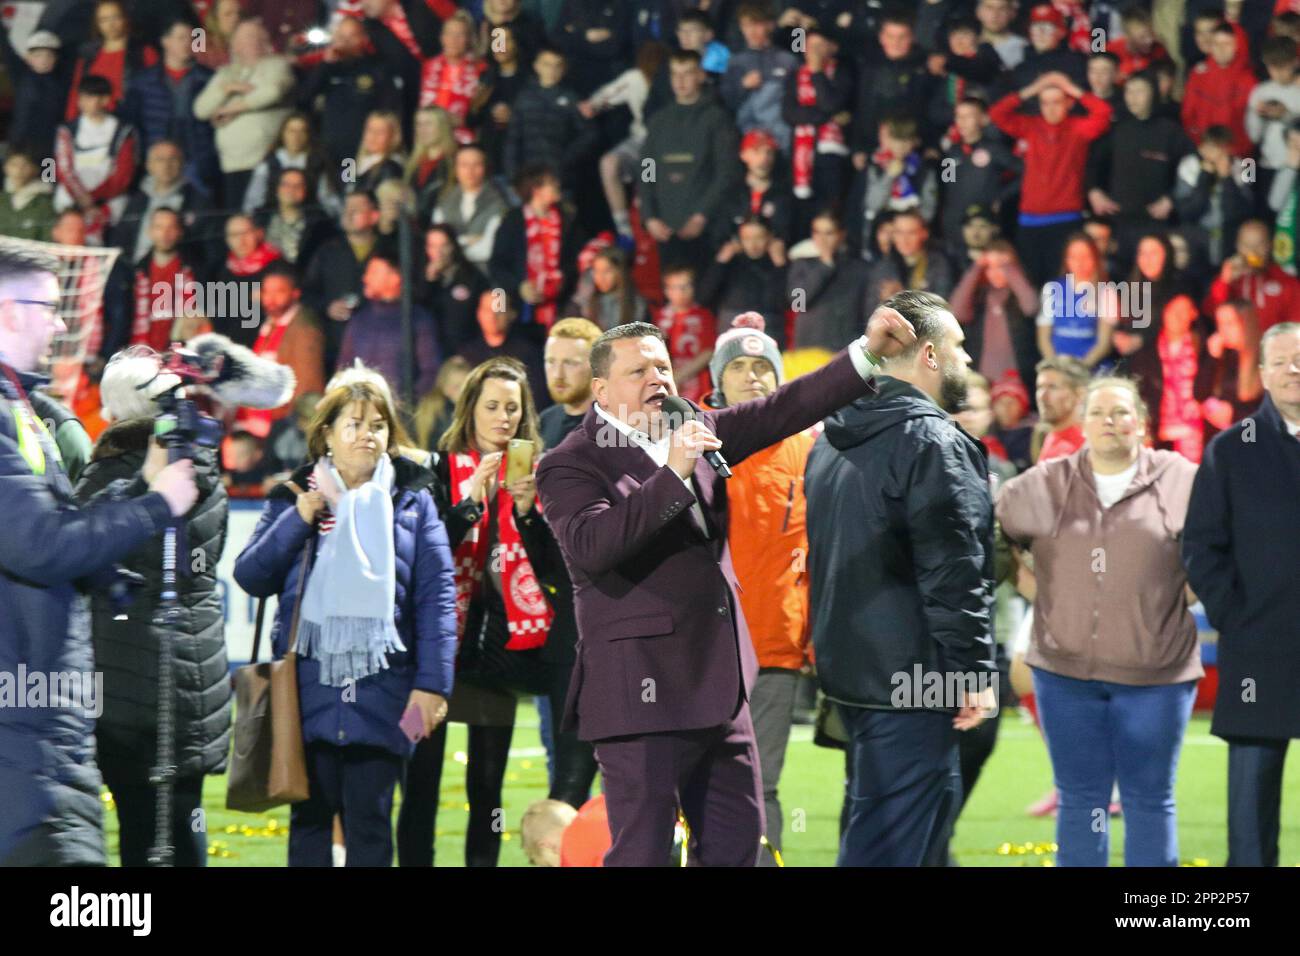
(51, 307)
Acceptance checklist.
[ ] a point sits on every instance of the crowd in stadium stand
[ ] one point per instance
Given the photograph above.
(1101, 187)
(1101, 180)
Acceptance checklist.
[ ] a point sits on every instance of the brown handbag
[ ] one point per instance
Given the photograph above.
(268, 766)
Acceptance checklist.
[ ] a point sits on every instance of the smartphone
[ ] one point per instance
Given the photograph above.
(412, 724)
(519, 459)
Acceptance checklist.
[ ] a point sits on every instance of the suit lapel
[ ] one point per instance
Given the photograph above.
(619, 458)
(627, 467)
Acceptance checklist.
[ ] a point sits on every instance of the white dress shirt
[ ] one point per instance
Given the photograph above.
(658, 450)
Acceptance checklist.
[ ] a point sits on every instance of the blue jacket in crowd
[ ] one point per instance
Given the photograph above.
(161, 110)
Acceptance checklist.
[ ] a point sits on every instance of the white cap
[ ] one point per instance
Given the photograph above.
(42, 40)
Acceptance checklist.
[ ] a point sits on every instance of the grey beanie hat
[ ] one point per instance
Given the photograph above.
(745, 338)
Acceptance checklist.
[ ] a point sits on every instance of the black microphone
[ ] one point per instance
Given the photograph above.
(679, 412)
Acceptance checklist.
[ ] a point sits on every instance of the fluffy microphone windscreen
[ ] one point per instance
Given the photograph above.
(246, 378)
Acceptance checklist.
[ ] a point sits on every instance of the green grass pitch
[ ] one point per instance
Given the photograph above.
(993, 829)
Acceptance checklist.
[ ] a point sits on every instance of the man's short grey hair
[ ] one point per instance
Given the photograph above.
(602, 349)
(131, 382)
(19, 257)
(925, 311)
(1282, 328)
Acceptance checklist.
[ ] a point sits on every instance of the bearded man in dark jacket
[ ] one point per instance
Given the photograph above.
(126, 645)
(900, 535)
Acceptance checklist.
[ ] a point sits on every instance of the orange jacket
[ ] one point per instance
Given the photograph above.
(769, 548)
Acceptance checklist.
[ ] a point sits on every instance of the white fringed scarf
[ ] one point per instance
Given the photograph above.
(347, 621)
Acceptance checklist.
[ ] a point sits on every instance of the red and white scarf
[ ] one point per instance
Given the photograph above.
(397, 22)
(542, 234)
(452, 86)
(809, 138)
(528, 615)
(160, 297)
(325, 523)
(254, 262)
(1180, 413)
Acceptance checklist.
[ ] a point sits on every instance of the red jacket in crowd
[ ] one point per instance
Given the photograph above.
(1217, 96)
(1056, 154)
(1274, 293)
(1131, 61)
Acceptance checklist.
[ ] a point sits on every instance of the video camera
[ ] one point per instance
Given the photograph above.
(234, 374)
(180, 427)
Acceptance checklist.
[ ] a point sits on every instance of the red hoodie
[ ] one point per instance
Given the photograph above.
(1216, 96)
(1056, 154)
(1275, 294)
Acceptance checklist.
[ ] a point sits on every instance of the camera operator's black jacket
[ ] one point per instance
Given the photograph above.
(900, 546)
(126, 652)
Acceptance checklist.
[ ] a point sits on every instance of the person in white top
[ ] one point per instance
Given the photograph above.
(619, 165)
(1275, 103)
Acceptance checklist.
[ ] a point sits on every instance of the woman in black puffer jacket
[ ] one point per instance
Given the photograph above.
(126, 651)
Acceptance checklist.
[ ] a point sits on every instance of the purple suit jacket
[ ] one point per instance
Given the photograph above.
(662, 642)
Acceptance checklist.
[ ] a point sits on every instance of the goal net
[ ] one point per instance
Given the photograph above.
(83, 274)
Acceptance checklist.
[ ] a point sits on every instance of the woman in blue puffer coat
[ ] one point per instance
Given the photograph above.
(377, 631)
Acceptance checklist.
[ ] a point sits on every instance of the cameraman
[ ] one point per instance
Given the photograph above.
(51, 812)
(126, 647)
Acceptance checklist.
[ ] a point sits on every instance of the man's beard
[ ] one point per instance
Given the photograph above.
(571, 394)
(952, 389)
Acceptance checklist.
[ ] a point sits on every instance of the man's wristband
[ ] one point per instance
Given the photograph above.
(866, 364)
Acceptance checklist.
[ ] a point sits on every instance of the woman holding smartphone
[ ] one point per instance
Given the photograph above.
(373, 624)
(503, 554)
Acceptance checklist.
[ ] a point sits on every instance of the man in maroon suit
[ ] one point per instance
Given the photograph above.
(664, 656)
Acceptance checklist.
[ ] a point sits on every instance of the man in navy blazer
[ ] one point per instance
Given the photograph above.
(664, 657)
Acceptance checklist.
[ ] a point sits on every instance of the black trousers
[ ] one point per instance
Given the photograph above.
(974, 747)
(1255, 767)
(830, 177)
(1041, 248)
(134, 798)
(356, 782)
(233, 187)
(685, 252)
(484, 660)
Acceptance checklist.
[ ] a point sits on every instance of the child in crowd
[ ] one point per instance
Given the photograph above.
(690, 330)
(27, 204)
(695, 32)
(1011, 425)
(898, 176)
(95, 159)
(39, 78)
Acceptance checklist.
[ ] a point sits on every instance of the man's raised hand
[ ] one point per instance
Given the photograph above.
(888, 333)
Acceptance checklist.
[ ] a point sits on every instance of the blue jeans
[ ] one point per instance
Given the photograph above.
(1098, 732)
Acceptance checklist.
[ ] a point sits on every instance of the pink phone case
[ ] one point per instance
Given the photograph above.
(412, 724)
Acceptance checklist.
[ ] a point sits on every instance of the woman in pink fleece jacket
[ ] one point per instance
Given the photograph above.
(1114, 650)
